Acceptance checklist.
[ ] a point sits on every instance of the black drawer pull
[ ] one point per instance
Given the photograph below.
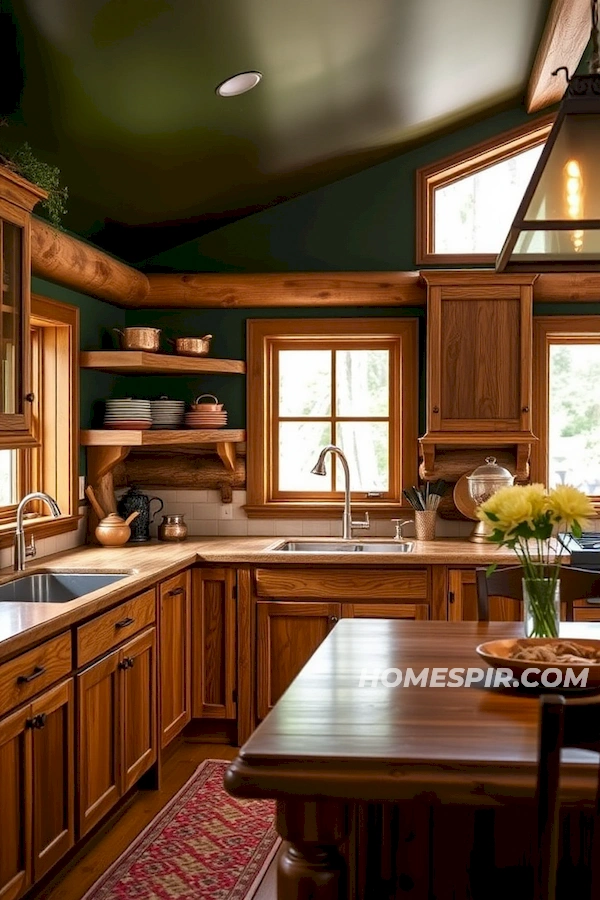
(175, 592)
(124, 622)
(25, 679)
(37, 721)
(126, 663)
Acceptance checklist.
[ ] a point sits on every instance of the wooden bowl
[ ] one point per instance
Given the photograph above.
(497, 654)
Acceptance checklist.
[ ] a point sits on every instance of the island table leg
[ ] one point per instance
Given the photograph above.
(311, 866)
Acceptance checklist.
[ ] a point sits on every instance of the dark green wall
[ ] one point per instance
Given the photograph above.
(362, 223)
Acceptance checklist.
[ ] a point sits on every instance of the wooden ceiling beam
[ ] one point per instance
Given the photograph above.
(249, 290)
(563, 43)
(57, 256)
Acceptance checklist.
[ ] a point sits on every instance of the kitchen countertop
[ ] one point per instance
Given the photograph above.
(22, 624)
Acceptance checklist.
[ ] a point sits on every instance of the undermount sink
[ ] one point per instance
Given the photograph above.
(56, 587)
(345, 547)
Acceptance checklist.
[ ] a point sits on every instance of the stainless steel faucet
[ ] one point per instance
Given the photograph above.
(21, 551)
(319, 469)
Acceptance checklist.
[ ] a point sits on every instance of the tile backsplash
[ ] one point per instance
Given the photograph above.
(206, 515)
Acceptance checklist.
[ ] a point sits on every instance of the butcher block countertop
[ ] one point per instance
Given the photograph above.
(22, 624)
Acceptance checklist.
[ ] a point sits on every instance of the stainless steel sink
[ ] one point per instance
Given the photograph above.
(344, 547)
(56, 587)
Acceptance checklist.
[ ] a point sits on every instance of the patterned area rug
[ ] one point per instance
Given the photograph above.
(204, 845)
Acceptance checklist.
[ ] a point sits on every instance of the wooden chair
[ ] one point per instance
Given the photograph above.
(575, 584)
(564, 723)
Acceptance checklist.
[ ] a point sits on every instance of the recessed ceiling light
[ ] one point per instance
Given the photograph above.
(238, 84)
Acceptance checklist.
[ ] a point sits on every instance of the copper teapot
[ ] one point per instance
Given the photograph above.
(111, 530)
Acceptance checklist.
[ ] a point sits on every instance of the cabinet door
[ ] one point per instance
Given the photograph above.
(53, 777)
(214, 643)
(287, 636)
(137, 665)
(462, 600)
(98, 728)
(175, 640)
(385, 611)
(15, 255)
(15, 805)
(479, 353)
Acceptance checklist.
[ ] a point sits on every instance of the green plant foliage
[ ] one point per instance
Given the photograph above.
(25, 163)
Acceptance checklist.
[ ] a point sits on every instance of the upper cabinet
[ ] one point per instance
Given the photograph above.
(479, 369)
(17, 199)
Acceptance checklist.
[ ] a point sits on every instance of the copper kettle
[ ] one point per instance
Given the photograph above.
(111, 530)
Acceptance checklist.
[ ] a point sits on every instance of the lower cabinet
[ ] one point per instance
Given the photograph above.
(116, 725)
(36, 789)
(462, 600)
(287, 635)
(214, 650)
(385, 611)
(175, 655)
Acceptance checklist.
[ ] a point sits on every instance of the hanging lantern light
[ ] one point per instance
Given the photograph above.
(557, 225)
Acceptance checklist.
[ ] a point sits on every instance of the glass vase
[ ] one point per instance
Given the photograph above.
(541, 607)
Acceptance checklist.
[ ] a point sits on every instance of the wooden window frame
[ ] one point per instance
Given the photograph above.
(548, 330)
(52, 464)
(461, 165)
(263, 337)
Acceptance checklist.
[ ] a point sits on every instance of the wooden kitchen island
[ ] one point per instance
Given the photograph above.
(417, 792)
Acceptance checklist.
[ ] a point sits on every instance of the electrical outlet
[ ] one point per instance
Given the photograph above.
(82, 487)
(226, 511)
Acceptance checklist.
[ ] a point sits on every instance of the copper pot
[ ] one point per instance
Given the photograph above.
(192, 346)
(172, 528)
(206, 407)
(139, 338)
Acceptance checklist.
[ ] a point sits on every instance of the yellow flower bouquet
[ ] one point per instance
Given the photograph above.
(524, 518)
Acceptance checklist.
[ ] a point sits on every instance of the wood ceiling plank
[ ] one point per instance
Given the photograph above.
(563, 43)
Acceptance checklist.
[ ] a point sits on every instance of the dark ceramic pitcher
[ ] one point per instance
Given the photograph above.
(136, 501)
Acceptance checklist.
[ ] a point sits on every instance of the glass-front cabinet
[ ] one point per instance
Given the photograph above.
(17, 199)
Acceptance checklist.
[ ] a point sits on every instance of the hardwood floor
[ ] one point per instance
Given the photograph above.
(80, 873)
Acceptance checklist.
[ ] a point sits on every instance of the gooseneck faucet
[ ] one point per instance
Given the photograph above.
(319, 469)
(21, 551)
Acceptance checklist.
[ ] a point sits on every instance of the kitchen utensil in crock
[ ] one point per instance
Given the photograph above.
(139, 337)
(111, 530)
(135, 500)
(191, 346)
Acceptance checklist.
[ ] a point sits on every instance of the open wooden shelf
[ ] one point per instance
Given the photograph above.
(137, 362)
(158, 438)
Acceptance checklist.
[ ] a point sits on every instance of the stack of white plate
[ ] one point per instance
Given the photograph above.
(128, 414)
(206, 419)
(167, 413)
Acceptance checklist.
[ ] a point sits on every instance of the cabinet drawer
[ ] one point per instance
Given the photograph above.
(342, 584)
(106, 631)
(26, 675)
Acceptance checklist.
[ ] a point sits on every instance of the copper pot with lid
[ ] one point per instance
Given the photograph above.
(206, 406)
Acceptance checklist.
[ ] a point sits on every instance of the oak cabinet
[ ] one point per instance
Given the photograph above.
(36, 789)
(287, 635)
(214, 643)
(479, 344)
(175, 644)
(116, 725)
(462, 600)
(418, 611)
(17, 199)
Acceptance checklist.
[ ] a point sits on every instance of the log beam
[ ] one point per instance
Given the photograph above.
(59, 257)
(310, 289)
(563, 43)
